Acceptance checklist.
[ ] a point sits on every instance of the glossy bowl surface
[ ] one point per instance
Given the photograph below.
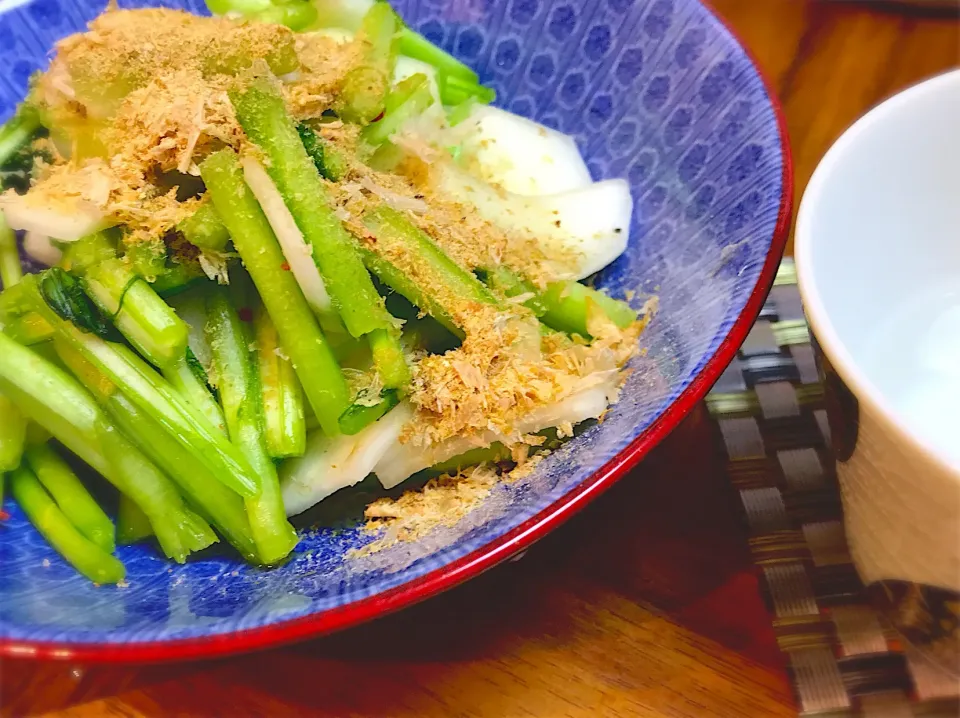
(657, 91)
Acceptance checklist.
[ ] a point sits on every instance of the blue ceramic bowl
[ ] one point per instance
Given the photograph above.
(657, 91)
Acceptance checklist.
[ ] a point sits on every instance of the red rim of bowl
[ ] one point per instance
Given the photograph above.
(496, 551)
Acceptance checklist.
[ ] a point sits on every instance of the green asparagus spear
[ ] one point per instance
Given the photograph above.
(71, 496)
(240, 398)
(282, 401)
(321, 378)
(53, 399)
(84, 555)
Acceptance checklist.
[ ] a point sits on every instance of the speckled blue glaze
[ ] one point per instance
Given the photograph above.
(654, 90)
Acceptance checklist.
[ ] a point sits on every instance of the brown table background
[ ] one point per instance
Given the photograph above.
(645, 603)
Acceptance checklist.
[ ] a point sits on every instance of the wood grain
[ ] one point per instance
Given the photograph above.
(645, 604)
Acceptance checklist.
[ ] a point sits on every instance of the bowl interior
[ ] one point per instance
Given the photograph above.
(879, 258)
(654, 90)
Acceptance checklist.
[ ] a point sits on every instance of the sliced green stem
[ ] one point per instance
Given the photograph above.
(84, 555)
(88, 252)
(185, 376)
(141, 315)
(357, 417)
(71, 496)
(152, 394)
(10, 269)
(328, 159)
(565, 306)
(55, 400)
(320, 375)
(389, 359)
(218, 504)
(264, 118)
(365, 85)
(205, 229)
(282, 400)
(413, 44)
(132, 524)
(240, 397)
(17, 131)
(406, 101)
(428, 277)
(13, 434)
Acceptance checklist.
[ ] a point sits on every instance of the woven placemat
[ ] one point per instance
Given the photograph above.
(842, 657)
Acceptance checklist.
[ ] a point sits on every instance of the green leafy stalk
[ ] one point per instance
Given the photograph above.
(147, 259)
(10, 269)
(28, 329)
(456, 90)
(214, 501)
(151, 393)
(565, 306)
(264, 118)
(282, 400)
(71, 496)
(56, 401)
(389, 359)
(366, 84)
(413, 44)
(88, 252)
(17, 131)
(329, 161)
(84, 555)
(188, 377)
(13, 435)
(144, 319)
(429, 278)
(359, 417)
(406, 101)
(320, 375)
(132, 524)
(240, 397)
(205, 229)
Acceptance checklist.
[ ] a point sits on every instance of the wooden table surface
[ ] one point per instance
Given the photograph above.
(643, 604)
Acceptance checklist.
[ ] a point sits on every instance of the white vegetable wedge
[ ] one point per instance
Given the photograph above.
(402, 461)
(333, 464)
(83, 219)
(593, 222)
(518, 154)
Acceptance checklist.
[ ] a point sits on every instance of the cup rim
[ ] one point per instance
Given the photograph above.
(818, 318)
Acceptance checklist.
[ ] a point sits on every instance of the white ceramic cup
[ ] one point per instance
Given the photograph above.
(878, 259)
